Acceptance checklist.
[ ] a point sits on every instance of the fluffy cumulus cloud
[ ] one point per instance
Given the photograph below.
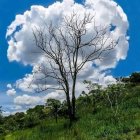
(9, 86)
(6, 113)
(11, 92)
(27, 100)
(17, 107)
(22, 47)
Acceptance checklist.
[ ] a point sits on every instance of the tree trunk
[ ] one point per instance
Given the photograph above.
(73, 99)
(69, 107)
(56, 114)
(56, 117)
(73, 107)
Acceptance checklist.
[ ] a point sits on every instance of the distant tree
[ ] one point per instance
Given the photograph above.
(64, 109)
(19, 117)
(114, 95)
(135, 77)
(55, 106)
(38, 110)
(31, 120)
(125, 80)
(10, 124)
(84, 98)
(95, 93)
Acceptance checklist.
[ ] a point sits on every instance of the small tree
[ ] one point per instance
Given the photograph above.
(114, 95)
(95, 93)
(31, 120)
(19, 118)
(38, 110)
(67, 48)
(55, 106)
(64, 109)
(135, 77)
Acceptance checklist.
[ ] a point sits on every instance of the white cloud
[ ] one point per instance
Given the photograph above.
(11, 92)
(22, 47)
(16, 107)
(55, 95)
(9, 86)
(6, 113)
(27, 100)
(25, 83)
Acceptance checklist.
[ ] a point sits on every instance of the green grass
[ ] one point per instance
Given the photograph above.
(98, 126)
(87, 128)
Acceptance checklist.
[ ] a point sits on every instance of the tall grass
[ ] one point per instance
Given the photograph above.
(101, 125)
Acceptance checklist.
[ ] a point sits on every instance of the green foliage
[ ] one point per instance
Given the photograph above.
(114, 96)
(31, 120)
(116, 117)
(19, 119)
(10, 124)
(1, 130)
(55, 106)
(94, 96)
(135, 77)
(63, 111)
(38, 111)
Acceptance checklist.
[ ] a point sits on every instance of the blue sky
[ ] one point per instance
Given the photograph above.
(131, 64)
(11, 71)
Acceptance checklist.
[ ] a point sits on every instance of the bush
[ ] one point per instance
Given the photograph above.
(31, 120)
(1, 130)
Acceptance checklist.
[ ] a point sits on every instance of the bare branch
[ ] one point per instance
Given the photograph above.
(67, 48)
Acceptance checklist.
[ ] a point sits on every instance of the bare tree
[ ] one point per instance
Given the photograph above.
(67, 48)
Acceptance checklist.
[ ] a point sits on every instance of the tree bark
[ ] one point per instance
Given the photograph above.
(69, 107)
(73, 99)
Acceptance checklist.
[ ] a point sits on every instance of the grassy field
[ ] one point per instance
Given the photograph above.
(102, 125)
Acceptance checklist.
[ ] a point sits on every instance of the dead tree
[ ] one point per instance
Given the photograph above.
(67, 48)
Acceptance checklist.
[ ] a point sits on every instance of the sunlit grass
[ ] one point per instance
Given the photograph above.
(101, 125)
